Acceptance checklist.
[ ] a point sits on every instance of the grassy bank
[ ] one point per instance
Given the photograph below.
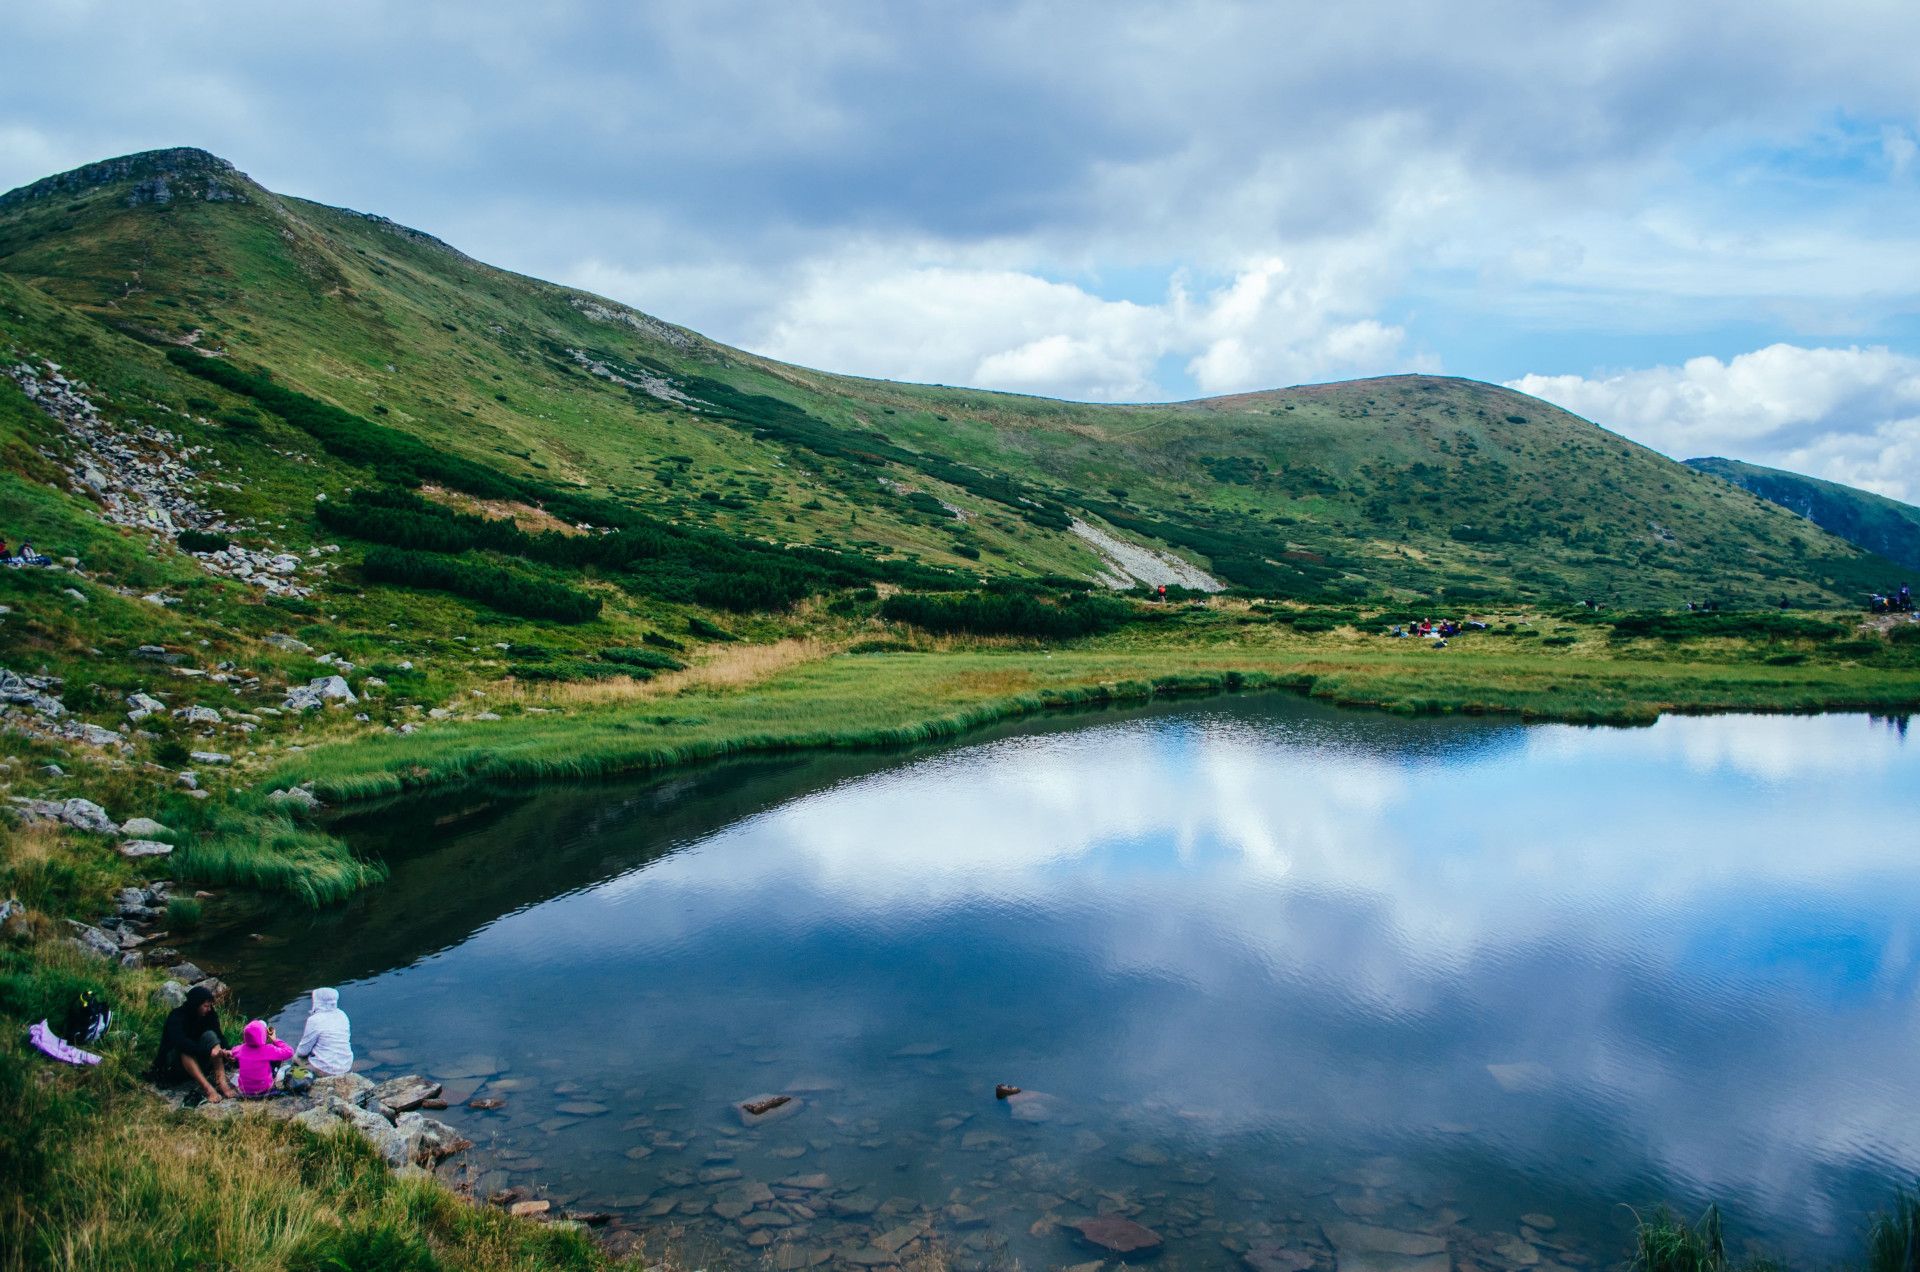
(901, 698)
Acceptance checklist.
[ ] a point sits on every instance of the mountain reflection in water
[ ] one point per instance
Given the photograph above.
(1278, 966)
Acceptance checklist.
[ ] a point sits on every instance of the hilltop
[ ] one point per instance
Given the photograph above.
(1873, 523)
(1408, 486)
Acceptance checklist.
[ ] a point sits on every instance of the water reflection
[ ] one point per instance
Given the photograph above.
(1446, 964)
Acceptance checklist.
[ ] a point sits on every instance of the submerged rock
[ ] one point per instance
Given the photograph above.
(1117, 1234)
(760, 1109)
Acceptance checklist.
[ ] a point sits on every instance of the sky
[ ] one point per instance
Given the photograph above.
(1695, 224)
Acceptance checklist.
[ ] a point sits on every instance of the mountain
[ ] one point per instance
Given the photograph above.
(1871, 522)
(172, 282)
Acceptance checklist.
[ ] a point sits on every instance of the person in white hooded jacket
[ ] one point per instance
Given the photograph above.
(327, 1041)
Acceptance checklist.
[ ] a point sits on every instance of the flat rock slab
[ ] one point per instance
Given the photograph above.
(581, 1108)
(1368, 1238)
(922, 1051)
(1033, 1106)
(407, 1092)
(760, 1109)
(144, 848)
(1275, 1258)
(1117, 1234)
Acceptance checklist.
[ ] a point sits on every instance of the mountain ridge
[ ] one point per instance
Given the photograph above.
(1400, 485)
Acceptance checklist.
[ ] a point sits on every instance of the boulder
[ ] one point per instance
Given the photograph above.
(331, 1113)
(295, 797)
(280, 640)
(210, 757)
(428, 1140)
(84, 814)
(94, 735)
(350, 1087)
(144, 848)
(142, 828)
(196, 715)
(170, 994)
(1117, 1234)
(332, 688)
(397, 1095)
(529, 1209)
(188, 972)
(91, 940)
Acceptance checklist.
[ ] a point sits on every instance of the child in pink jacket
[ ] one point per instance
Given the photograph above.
(256, 1057)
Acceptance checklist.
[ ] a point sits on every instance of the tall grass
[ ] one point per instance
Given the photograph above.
(1893, 1239)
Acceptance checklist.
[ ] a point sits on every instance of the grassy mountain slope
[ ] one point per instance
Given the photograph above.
(1871, 522)
(1402, 486)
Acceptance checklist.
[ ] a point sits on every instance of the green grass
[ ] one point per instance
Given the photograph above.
(1862, 518)
(1665, 1243)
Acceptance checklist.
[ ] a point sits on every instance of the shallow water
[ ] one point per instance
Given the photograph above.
(1286, 975)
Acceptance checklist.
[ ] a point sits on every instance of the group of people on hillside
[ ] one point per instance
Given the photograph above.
(24, 557)
(1438, 631)
(194, 1050)
(1894, 602)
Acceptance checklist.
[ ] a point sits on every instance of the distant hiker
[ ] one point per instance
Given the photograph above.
(255, 1057)
(1163, 593)
(327, 1041)
(192, 1046)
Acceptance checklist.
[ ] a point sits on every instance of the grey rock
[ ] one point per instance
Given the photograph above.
(197, 715)
(428, 1140)
(84, 814)
(295, 797)
(94, 941)
(210, 757)
(332, 1113)
(134, 848)
(170, 994)
(280, 640)
(142, 828)
(397, 1095)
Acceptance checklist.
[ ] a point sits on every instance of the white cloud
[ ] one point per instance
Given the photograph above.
(1850, 415)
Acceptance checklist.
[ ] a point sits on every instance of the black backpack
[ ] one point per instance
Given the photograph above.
(88, 1018)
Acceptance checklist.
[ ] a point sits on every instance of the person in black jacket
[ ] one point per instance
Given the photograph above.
(192, 1046)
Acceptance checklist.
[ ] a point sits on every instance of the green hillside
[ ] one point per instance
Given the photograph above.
(1406, 487)
(1871, 522)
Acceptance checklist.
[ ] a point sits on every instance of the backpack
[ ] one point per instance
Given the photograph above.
(88, 1018)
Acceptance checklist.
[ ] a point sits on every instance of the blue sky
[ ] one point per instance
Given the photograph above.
(1696, 224)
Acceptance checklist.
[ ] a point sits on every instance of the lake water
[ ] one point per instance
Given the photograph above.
(1291, 980)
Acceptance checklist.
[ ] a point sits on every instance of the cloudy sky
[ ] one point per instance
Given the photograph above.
(1694, 223)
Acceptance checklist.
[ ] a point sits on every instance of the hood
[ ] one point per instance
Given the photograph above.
(196, 996)
(255, 1033)
(326, 1000)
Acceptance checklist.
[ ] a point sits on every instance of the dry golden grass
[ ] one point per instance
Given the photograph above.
(726, 667)
(527, 517)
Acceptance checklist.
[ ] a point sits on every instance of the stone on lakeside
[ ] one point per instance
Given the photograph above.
(529, 1209)
(428, 1140)
(142, 828)
(400, 1094)
(765, 1219)
(1116, 1234)
(91, 940)
(332, 1112)
(581, 1108)
(295, 797)
(350, 1087)
(132, 848)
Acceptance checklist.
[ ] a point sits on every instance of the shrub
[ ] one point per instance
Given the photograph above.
(700, 627)
(1006, 614)
(201, 541)
(652, 659)
(662, 640)
(183, 912)
(510, 591)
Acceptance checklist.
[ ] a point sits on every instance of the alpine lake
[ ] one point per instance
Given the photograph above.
(1284, 987)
